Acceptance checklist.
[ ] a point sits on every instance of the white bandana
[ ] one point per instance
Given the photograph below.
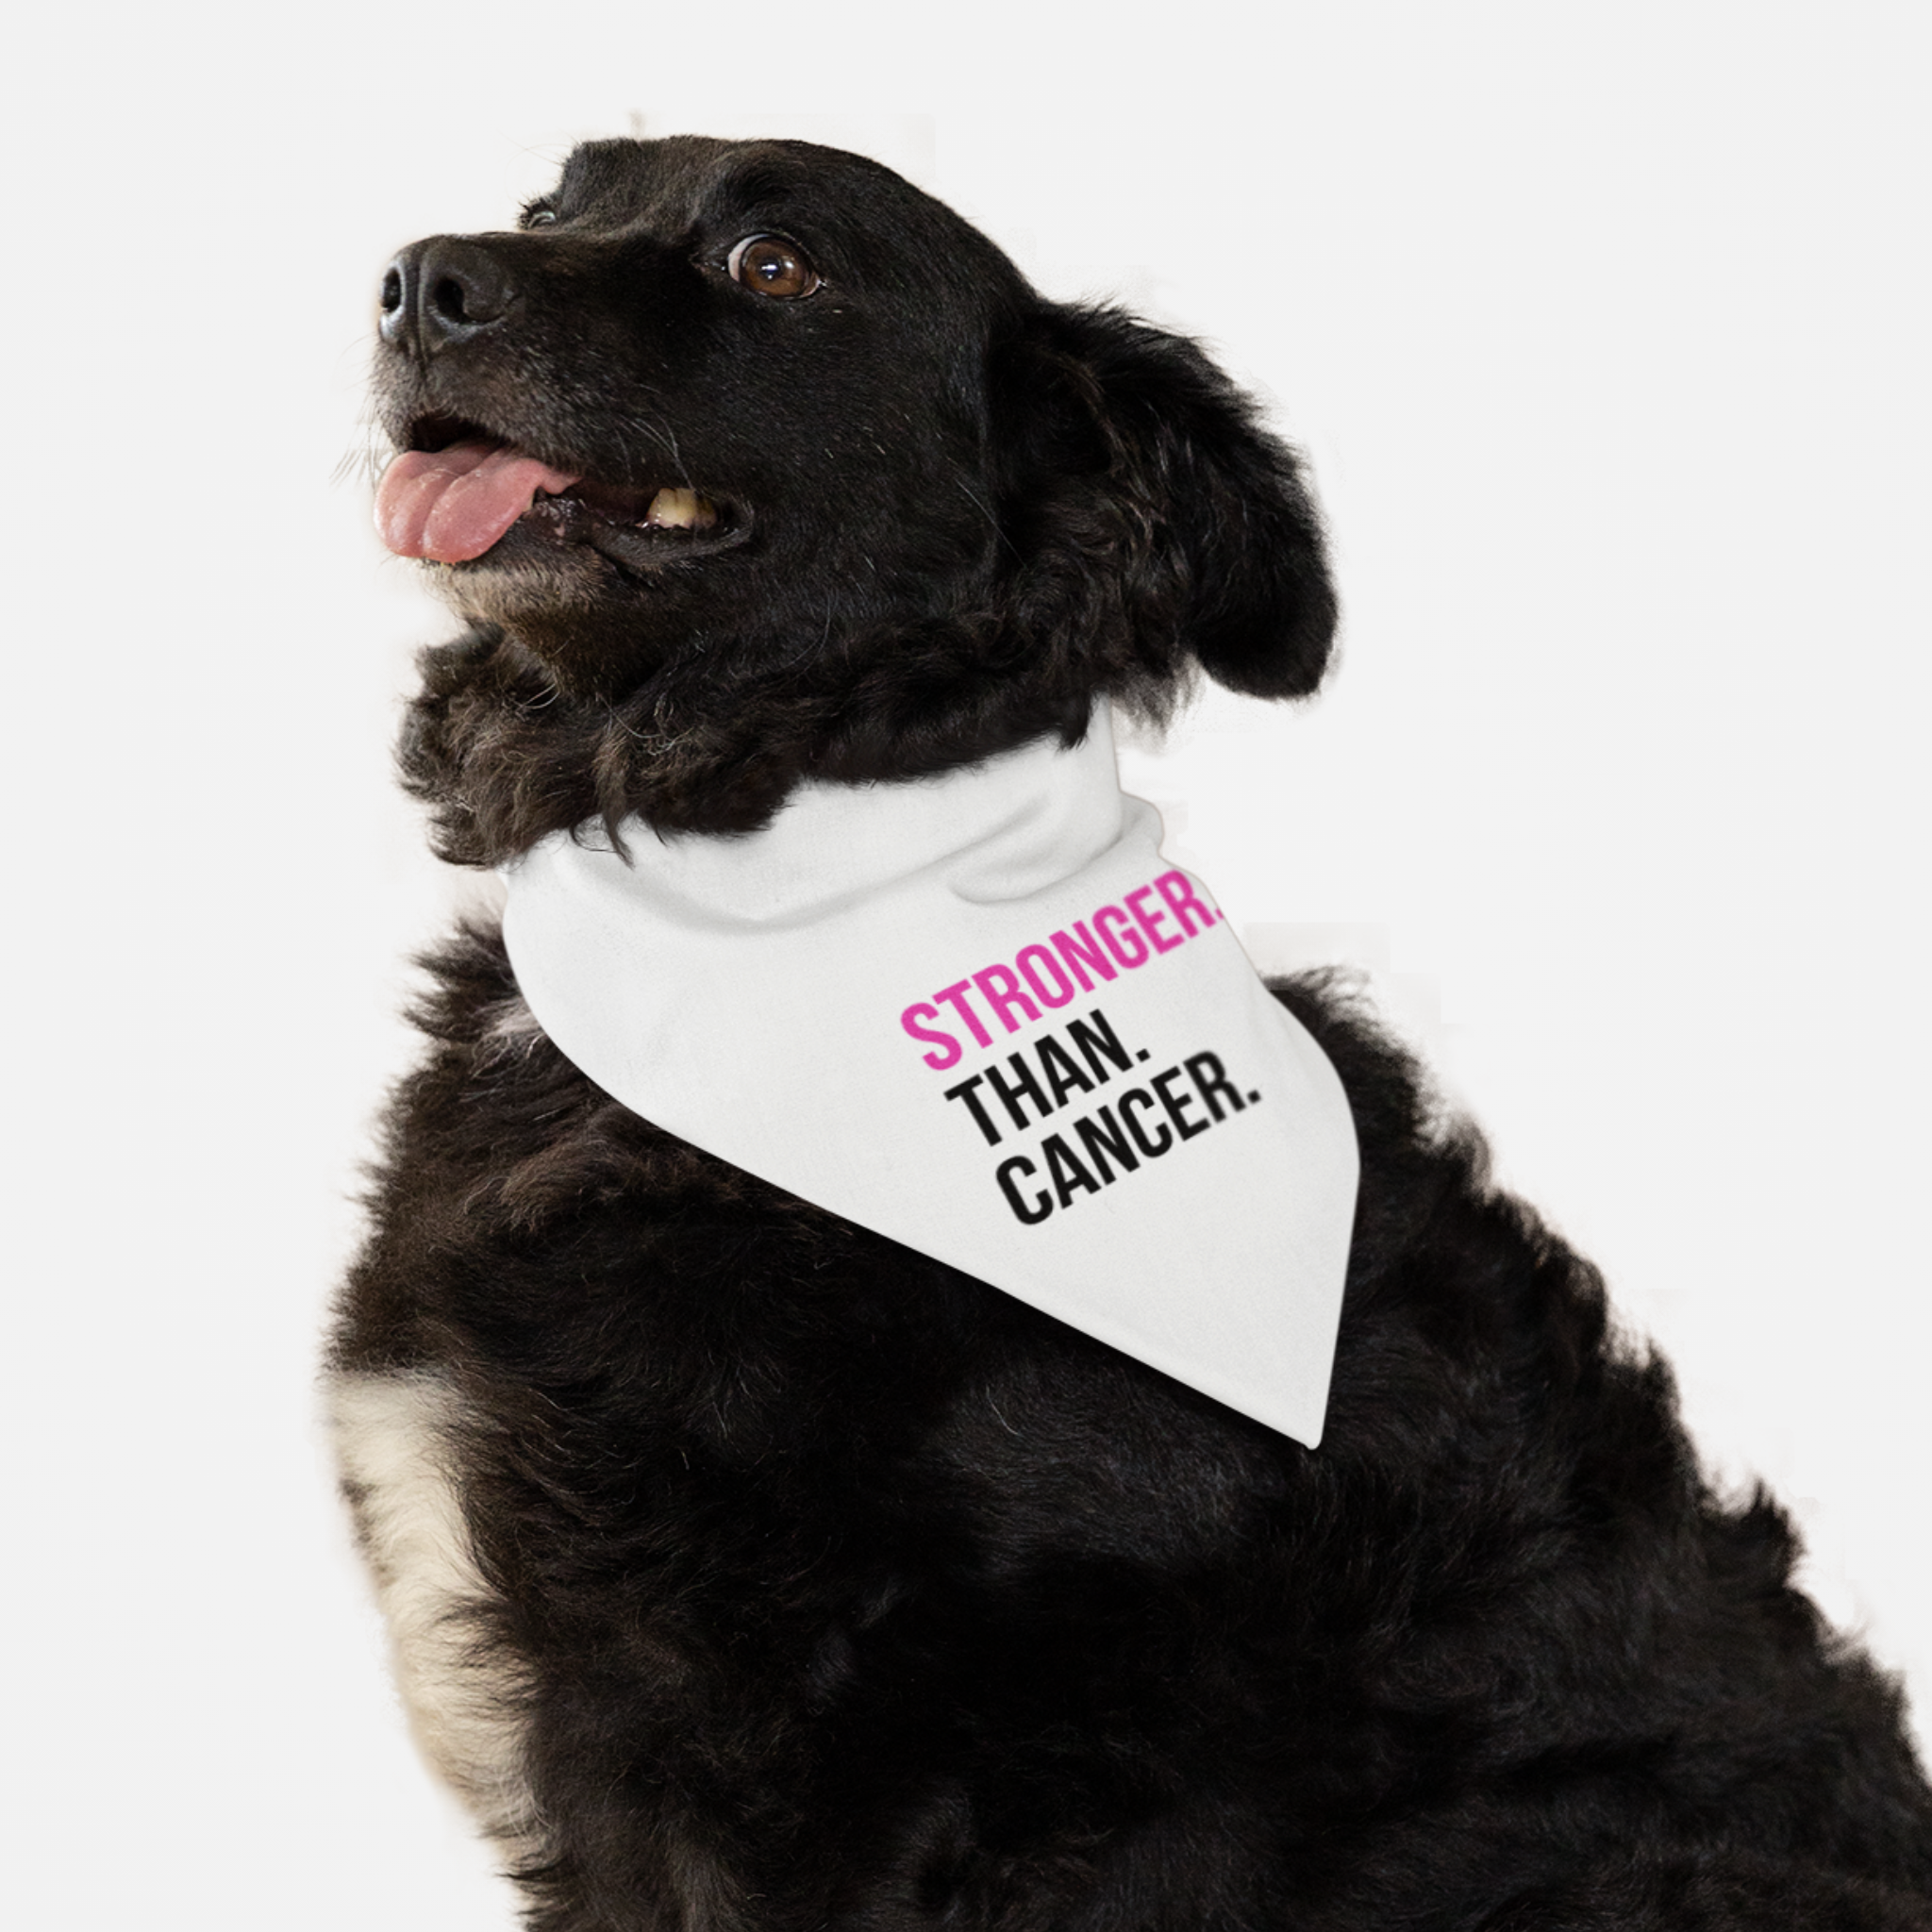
(981, 1015)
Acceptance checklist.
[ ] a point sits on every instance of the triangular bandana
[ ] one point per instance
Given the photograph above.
(981, 1015)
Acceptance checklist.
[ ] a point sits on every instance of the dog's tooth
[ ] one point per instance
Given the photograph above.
(681, 510)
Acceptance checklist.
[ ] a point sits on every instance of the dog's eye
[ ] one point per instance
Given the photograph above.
(773, 266)
(538, 214)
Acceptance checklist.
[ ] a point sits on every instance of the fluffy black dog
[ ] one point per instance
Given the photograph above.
(752, 1574)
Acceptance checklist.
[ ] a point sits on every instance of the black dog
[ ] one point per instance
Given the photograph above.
(749, 1571)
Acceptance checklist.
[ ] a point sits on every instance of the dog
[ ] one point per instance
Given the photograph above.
(749, 1569)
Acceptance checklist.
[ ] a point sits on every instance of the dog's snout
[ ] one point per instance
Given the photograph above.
(442, 292)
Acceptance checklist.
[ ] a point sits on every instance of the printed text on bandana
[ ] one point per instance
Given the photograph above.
(1144, 1117)
(1051, 971)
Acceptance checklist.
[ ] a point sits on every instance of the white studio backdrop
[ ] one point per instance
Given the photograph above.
(1604, 331)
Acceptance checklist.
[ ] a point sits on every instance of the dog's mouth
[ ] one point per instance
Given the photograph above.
(456, 490)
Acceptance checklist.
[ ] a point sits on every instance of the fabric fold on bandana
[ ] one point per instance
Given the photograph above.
(981, 1014)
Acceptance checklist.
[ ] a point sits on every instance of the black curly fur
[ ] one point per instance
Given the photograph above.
(1001, 506)
(843, 1590)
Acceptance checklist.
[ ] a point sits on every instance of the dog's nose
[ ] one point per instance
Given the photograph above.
(445, 291)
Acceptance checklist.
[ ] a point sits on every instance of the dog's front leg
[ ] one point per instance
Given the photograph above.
(399, 1444)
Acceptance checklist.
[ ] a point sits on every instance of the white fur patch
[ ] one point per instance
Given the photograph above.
(396, 1444)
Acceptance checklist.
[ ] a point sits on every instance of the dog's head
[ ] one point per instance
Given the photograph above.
(747, 462)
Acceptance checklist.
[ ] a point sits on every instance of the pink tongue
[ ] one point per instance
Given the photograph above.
(452, 506)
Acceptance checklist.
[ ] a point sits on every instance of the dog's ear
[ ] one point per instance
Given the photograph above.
(1140, 449)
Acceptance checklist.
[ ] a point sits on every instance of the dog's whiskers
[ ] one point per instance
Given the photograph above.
(365, 458)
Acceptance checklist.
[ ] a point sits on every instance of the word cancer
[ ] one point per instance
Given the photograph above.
(1114, 1138)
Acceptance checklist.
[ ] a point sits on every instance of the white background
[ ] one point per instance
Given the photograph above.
(1607, 330)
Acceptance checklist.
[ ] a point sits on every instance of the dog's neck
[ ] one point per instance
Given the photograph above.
(981, 1014)
(713, 741)
(999, 829)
